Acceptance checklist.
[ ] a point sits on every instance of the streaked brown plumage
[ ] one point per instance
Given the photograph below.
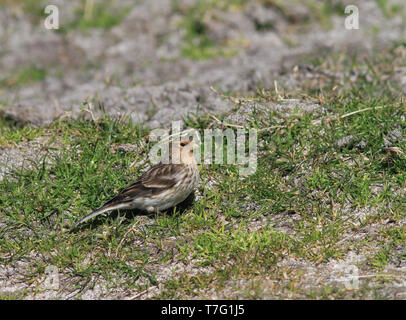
(163, 186)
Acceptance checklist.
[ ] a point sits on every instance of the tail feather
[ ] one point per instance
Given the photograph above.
(99, 212)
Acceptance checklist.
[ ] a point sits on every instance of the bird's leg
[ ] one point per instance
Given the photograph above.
(153, 210)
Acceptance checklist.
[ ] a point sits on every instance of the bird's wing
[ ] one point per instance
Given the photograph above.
(157, 179)
(161, 176)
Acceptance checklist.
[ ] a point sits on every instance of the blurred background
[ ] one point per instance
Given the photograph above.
(156, 60)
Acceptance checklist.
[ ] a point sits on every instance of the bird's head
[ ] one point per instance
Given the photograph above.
(186, 151)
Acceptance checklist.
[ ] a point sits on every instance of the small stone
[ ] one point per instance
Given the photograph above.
(392, 137)
(346, 141)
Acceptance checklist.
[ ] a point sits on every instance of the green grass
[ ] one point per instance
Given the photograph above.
(11, 133)
(310, 200)
(34, 7)
(205, 49)
(196, 19)
(390, 10)
(301, 172)
(23, 76)
(102, 14)
(197, 44)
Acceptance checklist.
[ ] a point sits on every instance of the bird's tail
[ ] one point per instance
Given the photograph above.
(99, 212)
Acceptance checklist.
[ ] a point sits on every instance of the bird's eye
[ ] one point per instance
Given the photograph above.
(182, 144)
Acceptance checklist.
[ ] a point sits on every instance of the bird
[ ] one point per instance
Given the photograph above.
(163, 186)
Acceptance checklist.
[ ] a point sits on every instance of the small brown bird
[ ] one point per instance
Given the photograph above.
(163, 186)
